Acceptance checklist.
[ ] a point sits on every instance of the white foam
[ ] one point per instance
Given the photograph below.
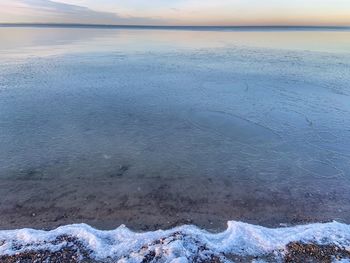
(177, 245)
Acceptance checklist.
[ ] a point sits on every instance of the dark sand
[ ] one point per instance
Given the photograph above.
(73, 251)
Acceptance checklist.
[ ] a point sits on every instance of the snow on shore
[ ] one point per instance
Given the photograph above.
(180, 244)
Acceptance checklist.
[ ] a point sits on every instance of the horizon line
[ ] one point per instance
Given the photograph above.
(111, 26)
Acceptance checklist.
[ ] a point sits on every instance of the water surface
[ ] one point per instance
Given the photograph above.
(155, 128)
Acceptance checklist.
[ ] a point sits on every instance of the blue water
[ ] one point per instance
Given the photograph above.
(116, 125)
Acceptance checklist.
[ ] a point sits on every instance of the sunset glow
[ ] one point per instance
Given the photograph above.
(178, 12)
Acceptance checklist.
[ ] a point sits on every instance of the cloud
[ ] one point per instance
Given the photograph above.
(177, 12)
(47, 11)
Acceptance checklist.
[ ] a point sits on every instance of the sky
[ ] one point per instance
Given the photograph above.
(178, 12)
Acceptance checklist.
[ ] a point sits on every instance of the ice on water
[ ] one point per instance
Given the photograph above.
(207, 96)
(267, 107)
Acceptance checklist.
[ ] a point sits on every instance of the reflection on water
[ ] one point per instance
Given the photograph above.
(233, 125)
(40, 41)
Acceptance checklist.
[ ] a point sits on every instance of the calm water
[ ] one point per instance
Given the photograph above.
(140, 127)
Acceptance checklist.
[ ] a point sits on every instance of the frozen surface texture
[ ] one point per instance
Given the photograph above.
(156, 128)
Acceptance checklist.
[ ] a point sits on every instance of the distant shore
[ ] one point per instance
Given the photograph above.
(187, 27)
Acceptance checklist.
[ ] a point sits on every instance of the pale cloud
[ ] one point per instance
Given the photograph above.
(47, 11)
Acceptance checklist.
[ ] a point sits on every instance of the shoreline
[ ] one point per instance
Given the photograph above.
(248, 28)
(240, 242)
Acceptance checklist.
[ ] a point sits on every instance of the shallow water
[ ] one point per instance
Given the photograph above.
(155, 128)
